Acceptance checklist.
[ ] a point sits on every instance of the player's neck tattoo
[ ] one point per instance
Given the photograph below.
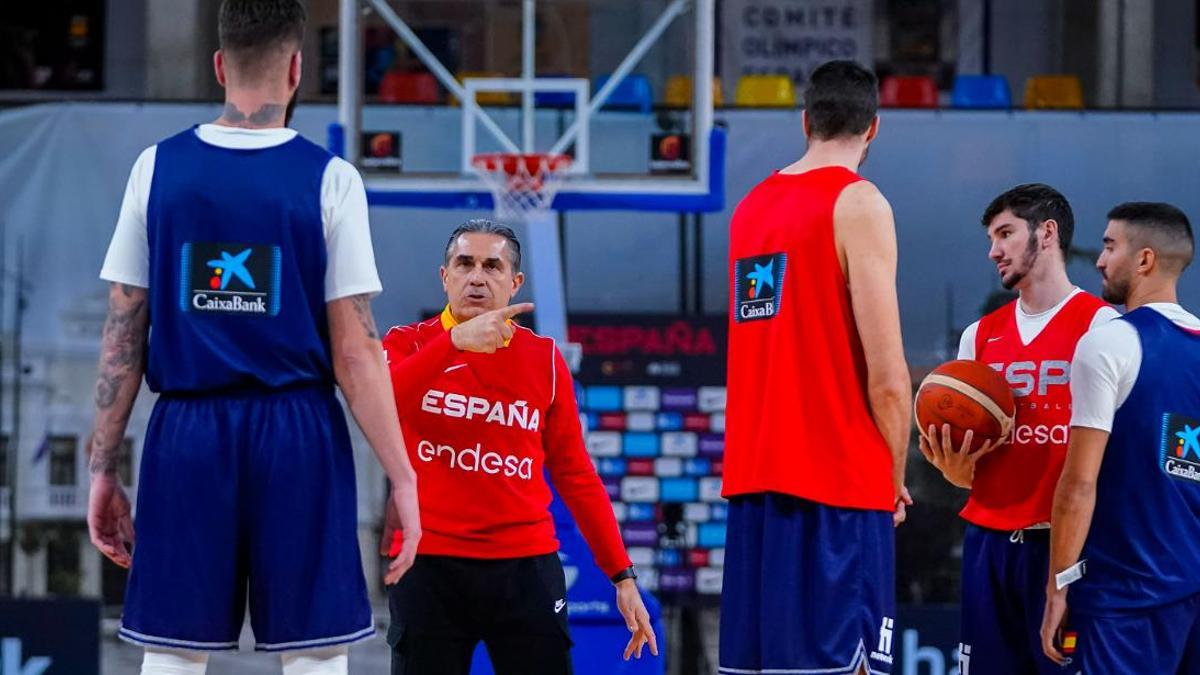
(269, 114)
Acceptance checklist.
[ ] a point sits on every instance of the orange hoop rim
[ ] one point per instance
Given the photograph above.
(514, 163)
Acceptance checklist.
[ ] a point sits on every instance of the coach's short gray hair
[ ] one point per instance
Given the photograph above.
(485, 226)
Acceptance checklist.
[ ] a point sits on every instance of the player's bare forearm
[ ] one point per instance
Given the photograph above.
(122, 363)
(362, 375)
(1075, 497)
(865, 231)
(891, 408)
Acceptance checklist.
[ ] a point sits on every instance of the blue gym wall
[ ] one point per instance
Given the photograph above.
(63, 169)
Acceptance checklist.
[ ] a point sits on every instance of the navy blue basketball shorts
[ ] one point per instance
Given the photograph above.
(1003, 599)
(1160, 640)
(808, 588)
(247, 496)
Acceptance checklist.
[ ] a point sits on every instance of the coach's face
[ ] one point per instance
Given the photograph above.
(478, 275)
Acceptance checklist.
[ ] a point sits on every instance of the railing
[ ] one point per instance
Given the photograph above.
(38, 502)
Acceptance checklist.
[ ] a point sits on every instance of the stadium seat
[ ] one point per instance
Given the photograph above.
(981, 92)
(1049, 92)
(908, 91)
(678, 91)
(399, 87)
(486, 97)
(554, 99)
(633, 92)
(765, 91)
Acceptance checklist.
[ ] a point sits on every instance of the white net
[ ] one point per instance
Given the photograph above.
(521, 185)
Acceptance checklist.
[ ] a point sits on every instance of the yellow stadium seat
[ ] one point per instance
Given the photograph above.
(765, 91)
(678, 91)
(487, 97)
(1046, 92)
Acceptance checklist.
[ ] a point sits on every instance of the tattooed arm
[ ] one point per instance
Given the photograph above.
(122, 362)
(363, 376)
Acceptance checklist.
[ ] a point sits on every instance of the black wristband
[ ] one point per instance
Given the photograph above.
(627, 573)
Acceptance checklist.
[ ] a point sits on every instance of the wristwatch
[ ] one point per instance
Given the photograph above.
(627, 573)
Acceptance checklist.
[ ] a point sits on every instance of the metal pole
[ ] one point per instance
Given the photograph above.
(528, 37)
(635, 55)
(350, 77)
(439, 71)
(702, 93)
(698, 262)
(684, 277)
(14, 439)
(987, 37)
(10, 463)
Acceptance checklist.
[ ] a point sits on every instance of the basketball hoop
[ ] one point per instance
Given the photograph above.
(522, 185)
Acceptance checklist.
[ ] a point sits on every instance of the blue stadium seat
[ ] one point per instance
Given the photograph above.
(554, 99)
(633, 92)
(981, 92)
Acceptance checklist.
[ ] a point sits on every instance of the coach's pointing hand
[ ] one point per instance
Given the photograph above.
(489, 331)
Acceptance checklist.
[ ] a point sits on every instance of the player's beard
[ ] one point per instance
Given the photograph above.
(1115, 289)
(1028, 260)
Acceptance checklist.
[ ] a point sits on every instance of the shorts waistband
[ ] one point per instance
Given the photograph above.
(249, 391)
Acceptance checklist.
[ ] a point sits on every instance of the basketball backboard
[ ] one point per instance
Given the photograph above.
(534, 76)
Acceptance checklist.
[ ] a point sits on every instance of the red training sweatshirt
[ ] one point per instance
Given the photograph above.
(480, 428)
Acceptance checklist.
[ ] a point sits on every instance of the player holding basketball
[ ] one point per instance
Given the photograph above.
(819, 404)
(242, 272)
(1126, 537)
(1030, 341)
(486, 406)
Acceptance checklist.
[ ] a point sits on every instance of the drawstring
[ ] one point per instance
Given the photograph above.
(1018, 537)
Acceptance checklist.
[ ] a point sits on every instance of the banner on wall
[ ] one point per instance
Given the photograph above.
(792, 37)
(650, 349)
(55, 636)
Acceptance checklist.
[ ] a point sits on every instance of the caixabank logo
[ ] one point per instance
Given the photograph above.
(230, 278)
(1181, 447)
(759, 286)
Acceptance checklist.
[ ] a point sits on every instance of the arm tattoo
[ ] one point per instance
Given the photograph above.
(122, 362)
(268, 113)
(362, 308)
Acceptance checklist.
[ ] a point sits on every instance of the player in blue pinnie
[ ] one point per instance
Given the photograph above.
(242, 272)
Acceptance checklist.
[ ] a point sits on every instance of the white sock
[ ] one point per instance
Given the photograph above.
(327, 661)
(174, 662)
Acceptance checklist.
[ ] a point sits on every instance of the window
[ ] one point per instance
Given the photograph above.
(62, 450)
(63, 569)
(57, 45)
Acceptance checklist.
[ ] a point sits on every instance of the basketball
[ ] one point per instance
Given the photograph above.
(966, 395)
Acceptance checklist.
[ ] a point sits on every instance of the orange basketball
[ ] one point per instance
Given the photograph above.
(965, 395)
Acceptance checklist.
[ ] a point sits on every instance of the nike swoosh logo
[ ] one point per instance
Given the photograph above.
(993, 339)
(455, 367)
(558, 606)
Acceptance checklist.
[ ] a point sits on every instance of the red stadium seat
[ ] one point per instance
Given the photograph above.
(904, 91)
(398, 87)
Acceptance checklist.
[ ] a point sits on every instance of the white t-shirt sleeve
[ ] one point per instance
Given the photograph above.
(1103, 316)
(128, 258)
(350, 267)
(966, 343)
(1105, 367)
